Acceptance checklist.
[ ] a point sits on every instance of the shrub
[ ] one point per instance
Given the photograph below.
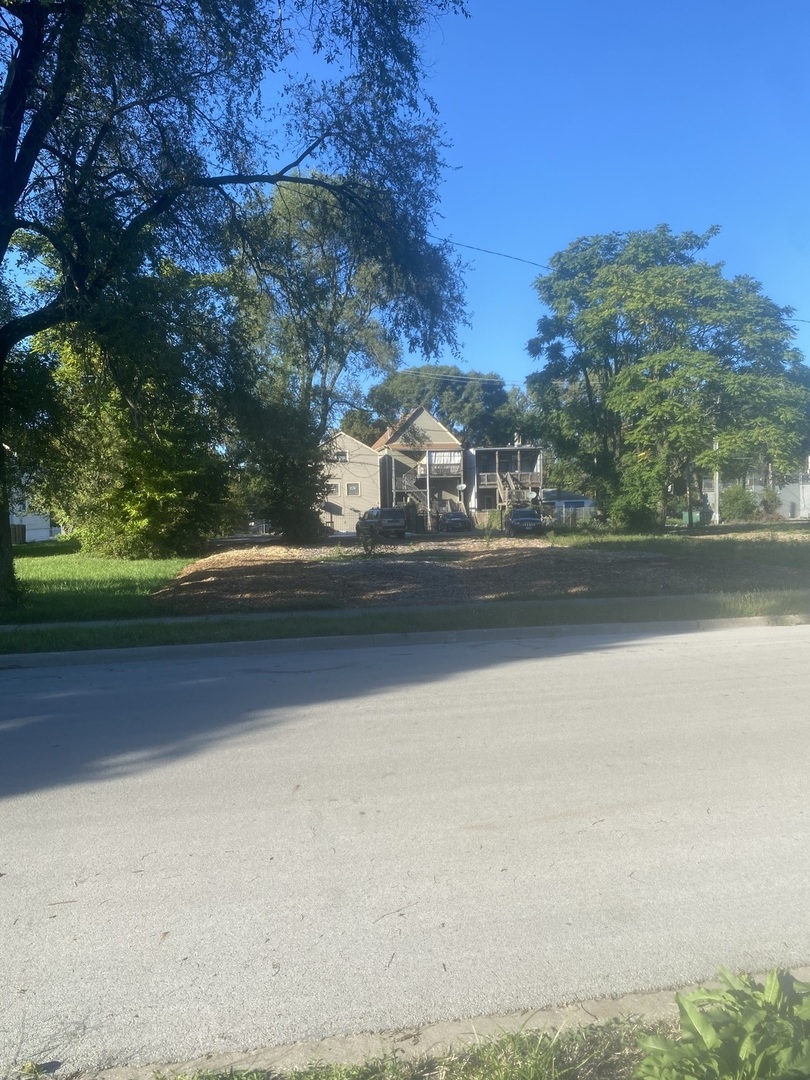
(737, 503)
(770, 502)
(628, 514)
(745, 1031)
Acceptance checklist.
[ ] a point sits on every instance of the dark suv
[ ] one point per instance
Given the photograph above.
(523, 521)
(382, 521)
(455, 521)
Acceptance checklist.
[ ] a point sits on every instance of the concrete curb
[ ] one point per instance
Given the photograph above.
(427, 1041)
(10, 661)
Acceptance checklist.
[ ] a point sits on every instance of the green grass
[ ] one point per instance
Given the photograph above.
(60, 583)
(63, 585)
(598, 1052)
(779, 606)
(785, 544)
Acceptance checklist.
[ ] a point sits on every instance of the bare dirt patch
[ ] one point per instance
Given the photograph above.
(276, 577)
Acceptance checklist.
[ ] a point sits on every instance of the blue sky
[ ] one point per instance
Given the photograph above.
(575, 117)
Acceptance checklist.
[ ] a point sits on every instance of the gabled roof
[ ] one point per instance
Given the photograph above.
(339, 435)
(409, 434)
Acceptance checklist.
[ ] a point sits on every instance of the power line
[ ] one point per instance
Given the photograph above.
(489, 251)
(419, 373)
(529, 262)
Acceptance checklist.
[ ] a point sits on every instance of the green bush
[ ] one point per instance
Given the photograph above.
(770, 501)
(629, 514)
(737, 503)
(745, 1031)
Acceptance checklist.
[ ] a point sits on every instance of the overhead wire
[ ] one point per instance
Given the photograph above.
(531, 262)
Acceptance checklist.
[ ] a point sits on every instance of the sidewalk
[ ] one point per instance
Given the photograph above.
(260, 646)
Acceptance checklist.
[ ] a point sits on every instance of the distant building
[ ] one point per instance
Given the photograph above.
(502, 475)
(422, 464)
(27, 528)
(794, 494)
(352, 481)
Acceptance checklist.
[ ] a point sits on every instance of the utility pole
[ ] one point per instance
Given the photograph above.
(716, 507)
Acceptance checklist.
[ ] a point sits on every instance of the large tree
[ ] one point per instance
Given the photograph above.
(474, 404)
(318, 311)
(328, 311)
(126, 128)
(652, 357)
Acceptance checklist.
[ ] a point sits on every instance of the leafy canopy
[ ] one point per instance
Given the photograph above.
(650, 354)
(474, 404)
(129, 130)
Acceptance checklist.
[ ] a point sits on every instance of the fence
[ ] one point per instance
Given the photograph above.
(342, 523)
(571, 516)
(568, 516)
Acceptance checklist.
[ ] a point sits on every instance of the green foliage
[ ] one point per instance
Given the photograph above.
(596, 1052)
(770, 501)
(137, 499)
(474, 404)
(493, 524)
(738, 503)
(361, 426)
(331, 298)
(276, 460)
(650, 354)
(745, 1031)
(628, 514)
(129, 130)
(161, 501)
(130, 468)
(319, 300)
(636, 506)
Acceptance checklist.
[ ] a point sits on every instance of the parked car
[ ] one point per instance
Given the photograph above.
(523, 521)
(382, 521)
(455, 521)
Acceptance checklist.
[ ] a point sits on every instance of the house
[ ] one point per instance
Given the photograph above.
(794, 494)
(421, 465)
(352, 481)
(27, 527)
(502, 475)
(567, 507)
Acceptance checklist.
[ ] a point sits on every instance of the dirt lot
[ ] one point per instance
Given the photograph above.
(273, 577)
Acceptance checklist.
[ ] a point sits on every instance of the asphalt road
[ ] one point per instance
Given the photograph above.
(222, 853)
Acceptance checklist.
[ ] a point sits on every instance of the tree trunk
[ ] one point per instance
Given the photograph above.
(663, 509)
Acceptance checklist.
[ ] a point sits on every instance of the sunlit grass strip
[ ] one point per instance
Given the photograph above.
(60, 583)
(373, 623)
(598, 1052)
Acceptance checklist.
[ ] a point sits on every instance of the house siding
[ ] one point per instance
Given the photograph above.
(354, 472)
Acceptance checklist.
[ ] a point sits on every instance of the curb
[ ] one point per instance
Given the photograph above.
(427, 1041)
(358, 641)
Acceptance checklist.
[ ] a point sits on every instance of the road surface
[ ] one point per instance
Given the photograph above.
(221, 853)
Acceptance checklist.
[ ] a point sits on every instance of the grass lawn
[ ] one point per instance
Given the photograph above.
(60, 583)
(63, 585)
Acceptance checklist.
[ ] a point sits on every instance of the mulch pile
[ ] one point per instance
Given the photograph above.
(275, 577)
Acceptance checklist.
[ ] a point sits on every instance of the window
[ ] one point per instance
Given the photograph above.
(352, 491)
(333, 488)
(340, 455)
